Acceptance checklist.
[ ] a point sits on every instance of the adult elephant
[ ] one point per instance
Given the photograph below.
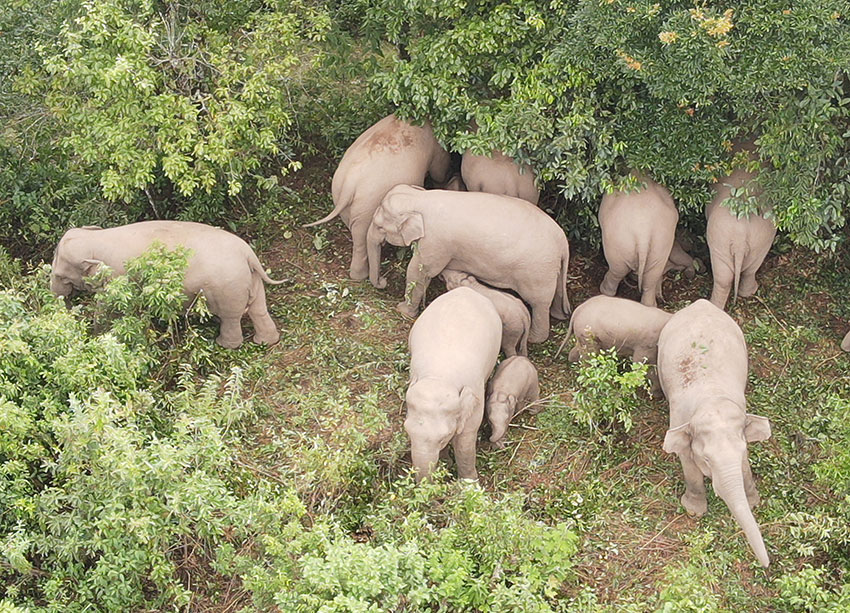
(391, 152)
(499, 174)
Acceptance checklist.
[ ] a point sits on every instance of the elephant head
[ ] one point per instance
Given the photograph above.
(72, 262)
(436, 412)
(456, 278)
(396, 223)
(501, 408)
(716, 441)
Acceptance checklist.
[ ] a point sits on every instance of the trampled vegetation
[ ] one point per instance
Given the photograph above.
(146, 469)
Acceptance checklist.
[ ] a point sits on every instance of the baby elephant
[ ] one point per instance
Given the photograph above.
(702, 364)
(630, 327)
(513, 388)
(738, 246)
(681, 260)
(638, 230)
(516, 321)
(499, 174)
(221, 265)
(453, 349)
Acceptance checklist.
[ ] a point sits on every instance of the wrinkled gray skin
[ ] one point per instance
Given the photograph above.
(453, 349)
(499, 174)
(702, 364)
(516, 321)
(514, 386)
(603, 322)
(737, 246)
(504, 242)
(638, 230)
(454, 184)
(680, 260)
(391, 152)
(221, 264)
(845, 344)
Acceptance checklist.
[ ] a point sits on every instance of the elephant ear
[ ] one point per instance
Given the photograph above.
(678, 439)
(757, 428)
(412, 228)
(512, 402)
(90, 267)
(469, 402)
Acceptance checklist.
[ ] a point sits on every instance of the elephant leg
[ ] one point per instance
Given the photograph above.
(641, 354)
(418, 278)
(617, 271)
(651, 285)
(464, 447)
(748, 284)
(359, 269)
(694, 497)
(230, 332)
(724, 278)
(265, 332)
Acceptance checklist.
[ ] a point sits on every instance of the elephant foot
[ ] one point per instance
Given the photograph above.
(359, 273)
(228, 343)
(696, 506)
(382, 283)
(405, 308)
(607, 289)
(745, 290)
(266, 339)
(500, 444)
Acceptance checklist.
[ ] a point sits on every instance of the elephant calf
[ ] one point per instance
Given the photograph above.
(638, 230)
(453, 349)
(391, 152)
(516, 321)
(630, 327)
(738, 246)
(221, 265)
(702, 364)
(499, 174)
(514, 387)
(505, 242)
(681, 260)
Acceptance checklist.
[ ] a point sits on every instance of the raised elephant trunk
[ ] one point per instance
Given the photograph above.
(424, 461)
(729, 485)
(374, 240)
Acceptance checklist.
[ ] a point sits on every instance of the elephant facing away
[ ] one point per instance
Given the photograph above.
(221, 265)
(390, 153)
(737, 246)
(516, 321)
(504, 242)
(629, 327)
(514, 387)
(499, 174)
(638, 230)
(453, 348)
(702, 364)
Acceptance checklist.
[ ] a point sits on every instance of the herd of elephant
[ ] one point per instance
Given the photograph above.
(484, 234)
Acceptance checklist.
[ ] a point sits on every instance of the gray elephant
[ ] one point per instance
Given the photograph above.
(516, 321)
(221, 265)
(702, 364)
(499, 174)
(638, 230)
(391, 152)
(502, 241)
(514, 387)
(681, 261)
(630, 327)
(738, 246)
(845, 344)
(453, 348)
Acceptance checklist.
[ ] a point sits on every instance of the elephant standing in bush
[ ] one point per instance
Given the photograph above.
(453, 348)
(738, 246)
(390, 153)
(499, 174)
(502, 241)
(702, 364)
(221, 265)
(638, 230)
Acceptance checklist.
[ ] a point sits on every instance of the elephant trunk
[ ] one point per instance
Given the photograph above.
(729, 485)
(499, 418)
(424, 460)
(374, 239)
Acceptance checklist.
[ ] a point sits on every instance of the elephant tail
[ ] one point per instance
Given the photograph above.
(345, 199)
(736, 266)
(561, 308)
(566, 338)
(256, 267)
(641, 266)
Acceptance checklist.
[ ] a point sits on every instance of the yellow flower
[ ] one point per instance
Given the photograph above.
(629, 60)
(668, 37)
